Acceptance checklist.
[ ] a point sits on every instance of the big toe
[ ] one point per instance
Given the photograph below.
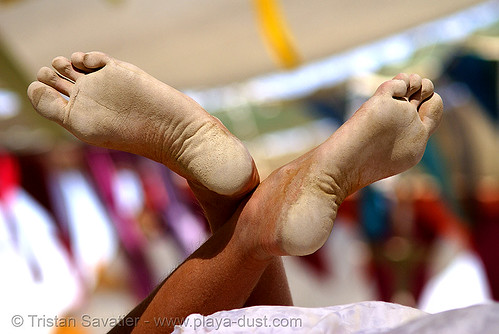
(47, 101)
(397, 87)
(431, 111)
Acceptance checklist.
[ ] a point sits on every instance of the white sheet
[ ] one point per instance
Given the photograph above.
(358, 318)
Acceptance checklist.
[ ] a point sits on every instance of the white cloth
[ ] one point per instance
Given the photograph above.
(483, 319)
(358, 318)
(365, 317)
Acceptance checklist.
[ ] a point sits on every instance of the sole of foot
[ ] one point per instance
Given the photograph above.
(116, 105)
(386, 136)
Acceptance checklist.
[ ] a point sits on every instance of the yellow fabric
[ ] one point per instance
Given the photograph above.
(276, 33)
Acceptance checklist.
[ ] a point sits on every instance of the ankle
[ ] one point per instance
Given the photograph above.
(255, 237)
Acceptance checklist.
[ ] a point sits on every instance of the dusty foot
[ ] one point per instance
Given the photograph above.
(116, 105)
(386, 136)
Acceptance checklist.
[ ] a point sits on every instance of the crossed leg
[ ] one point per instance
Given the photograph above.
(292, 211)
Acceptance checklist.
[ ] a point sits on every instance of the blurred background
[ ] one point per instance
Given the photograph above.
(88, 231)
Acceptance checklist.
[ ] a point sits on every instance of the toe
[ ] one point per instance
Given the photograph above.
(415, 83)
(394, 88)
(412, 83)
(49, 77)
(47, 101)
(64, 67)
(402, 76)
(425, 91)
(431, 111)
(89, 61)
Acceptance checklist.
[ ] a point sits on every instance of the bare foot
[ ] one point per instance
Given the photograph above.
(116, 105)
(386, 136)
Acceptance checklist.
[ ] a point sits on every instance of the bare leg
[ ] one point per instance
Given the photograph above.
(220, 275)
(116, 105)
(292, 211)
(273, 288)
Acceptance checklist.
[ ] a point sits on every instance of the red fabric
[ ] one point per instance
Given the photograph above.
(9, 176)
(486, 240)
